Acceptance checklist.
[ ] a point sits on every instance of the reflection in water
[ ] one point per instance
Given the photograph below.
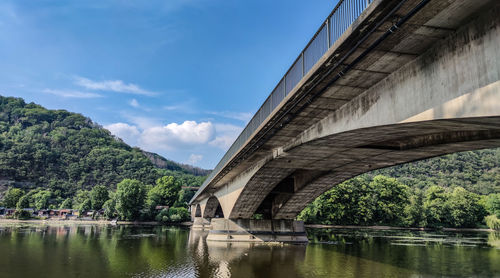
(130, 251)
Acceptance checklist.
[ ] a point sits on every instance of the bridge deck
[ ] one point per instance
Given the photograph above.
(315, 96)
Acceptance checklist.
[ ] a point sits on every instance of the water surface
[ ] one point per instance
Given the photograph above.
(131, 251)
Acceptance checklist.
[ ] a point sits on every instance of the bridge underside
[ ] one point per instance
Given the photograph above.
(441, 97)
(285, 185)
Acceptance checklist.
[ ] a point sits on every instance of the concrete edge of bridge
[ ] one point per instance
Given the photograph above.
(259, 231)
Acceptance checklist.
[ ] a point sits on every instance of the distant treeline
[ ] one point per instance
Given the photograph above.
(384, 200)
(164, 201)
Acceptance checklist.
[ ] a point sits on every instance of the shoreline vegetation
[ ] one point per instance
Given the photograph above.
(189, 224)
(90, 222)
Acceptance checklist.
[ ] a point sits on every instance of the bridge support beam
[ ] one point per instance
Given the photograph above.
(249, 230)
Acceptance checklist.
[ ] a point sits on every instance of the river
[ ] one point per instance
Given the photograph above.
(28, 250)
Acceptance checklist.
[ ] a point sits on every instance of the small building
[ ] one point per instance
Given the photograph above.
(161, 207)
(65, 213)
(31, 211)
(44, 213)
(9, 211)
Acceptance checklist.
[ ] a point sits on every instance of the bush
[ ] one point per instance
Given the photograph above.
(174, 215)
(492, 222)
(178, 214)
(22, 214)
(162, 216)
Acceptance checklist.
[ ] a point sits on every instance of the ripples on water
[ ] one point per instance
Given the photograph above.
(127, 251)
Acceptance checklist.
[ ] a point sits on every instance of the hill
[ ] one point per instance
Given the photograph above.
(66, 152)
(476, 171)
(163, 163)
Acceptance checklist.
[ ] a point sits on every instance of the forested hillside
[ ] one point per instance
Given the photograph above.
(66, 152)
(476, 171)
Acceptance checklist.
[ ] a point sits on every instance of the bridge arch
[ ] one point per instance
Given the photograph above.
(213, 208)
(285, 185)
(197, 211)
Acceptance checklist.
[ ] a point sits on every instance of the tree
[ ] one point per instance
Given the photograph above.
(492, 204)
(81, 197)
(68, 203)
(86, 205)
(415, 215)
(24, 202)
(164, 193)
(166, 190)
(434, 206)
(41, 199)
(390, 199)
(130, 195)
(98, 196)
(464, 208)
(12, 196)
(110, 208)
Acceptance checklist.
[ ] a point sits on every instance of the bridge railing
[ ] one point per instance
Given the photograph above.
(342, 16)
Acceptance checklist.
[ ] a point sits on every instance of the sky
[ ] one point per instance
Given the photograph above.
(177, 77)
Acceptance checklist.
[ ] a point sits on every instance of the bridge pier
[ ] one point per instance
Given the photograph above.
(250, 230)
(200, 223)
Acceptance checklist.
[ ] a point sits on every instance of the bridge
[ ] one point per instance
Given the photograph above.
(381, 83)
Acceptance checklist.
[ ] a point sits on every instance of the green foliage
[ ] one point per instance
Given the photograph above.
(476, 171)
(385, 201)
(68, 203)
(84, 206)
(130, 196)
(110, 208)
(12, 197)
(389, 198)
(22, 214)
(164, 193)
(98, 196)
(360, 202)
(464, 208)
(41, 199)
(492, 204)
(82, 196)
(66, 152)
(492, 222)
(174, 215)
(24, 202)
(415, 214)
(434, 206)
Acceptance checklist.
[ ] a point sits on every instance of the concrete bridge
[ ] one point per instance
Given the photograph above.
(382, 83)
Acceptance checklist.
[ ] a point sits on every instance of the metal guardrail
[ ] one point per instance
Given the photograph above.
(342, 16)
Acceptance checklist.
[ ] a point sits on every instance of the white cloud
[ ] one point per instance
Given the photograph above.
(134, 103)
(177, 135)
(226, 134)
(71, 94)
(189, 136)
(126, 132)
(112, 85)
(194, 158)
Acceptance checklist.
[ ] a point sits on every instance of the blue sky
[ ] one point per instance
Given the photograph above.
(177, 77)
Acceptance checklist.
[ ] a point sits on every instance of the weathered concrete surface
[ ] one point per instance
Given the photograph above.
(200, 223)
(244, 230)
(431, 88)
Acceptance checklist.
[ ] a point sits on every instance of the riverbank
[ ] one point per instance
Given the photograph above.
(188, 224)
(319, 226)
(90, 222)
